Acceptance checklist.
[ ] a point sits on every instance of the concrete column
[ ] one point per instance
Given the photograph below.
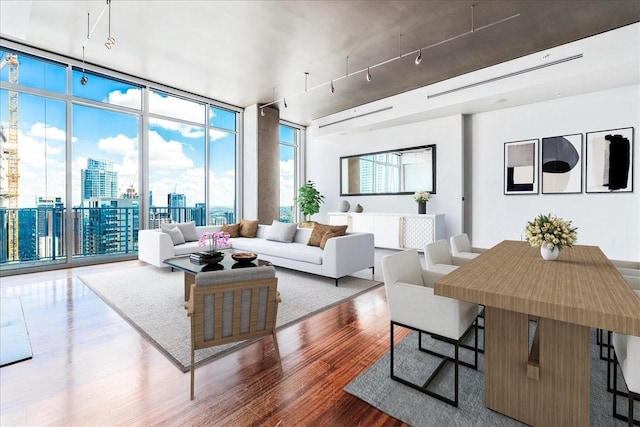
(261, 166)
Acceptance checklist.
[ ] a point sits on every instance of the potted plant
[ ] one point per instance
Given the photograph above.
(551, 234)
(421, 198)
(309, 199)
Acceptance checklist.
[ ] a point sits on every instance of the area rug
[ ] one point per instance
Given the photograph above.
(375, 387)
(14, 337)
(151, 299)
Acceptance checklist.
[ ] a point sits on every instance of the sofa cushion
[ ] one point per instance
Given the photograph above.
(188, 230)
(248, 228)
(232, 229)
(320, 229)
(282, 231)
(328, 235)
(293, 251)
(176, 235)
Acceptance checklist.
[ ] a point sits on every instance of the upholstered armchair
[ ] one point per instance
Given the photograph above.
(233, 305)
(461, 246)
(413, 305)
(438, 257)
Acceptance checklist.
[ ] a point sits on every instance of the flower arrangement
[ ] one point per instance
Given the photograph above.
(551, 231)
(421, 196)
(215, 241)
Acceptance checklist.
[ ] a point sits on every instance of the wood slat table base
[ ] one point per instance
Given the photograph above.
(560, 395)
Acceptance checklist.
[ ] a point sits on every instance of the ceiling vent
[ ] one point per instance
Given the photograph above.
(505, 76)
(355, 117)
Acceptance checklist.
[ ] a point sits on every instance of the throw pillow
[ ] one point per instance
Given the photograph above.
(232, 229)
(320, 229)
(282, 231)
(176, 235)
(188, 230)
(248, 228)
(328, 235)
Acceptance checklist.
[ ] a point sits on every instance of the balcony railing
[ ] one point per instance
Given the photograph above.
(38, 236)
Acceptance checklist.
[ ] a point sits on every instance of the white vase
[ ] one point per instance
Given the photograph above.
(549, 254)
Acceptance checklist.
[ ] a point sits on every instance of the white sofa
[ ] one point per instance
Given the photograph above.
(340, 257)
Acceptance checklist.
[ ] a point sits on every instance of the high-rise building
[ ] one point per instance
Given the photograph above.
(50, 227)
(99, 180)
(176, 206)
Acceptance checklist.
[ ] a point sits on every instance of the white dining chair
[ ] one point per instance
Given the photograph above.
(626, 356)
(438, 257)
(461, 246)
(634, 284)
(413, 305)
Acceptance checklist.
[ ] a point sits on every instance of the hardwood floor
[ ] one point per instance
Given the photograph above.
(90, 367)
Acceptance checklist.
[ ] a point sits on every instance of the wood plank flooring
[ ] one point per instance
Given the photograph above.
(90, 367)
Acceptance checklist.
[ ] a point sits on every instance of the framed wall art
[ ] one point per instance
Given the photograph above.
(609, 161)
(561, 164)
(521, 167)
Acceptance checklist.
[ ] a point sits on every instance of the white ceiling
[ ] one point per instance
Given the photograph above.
(254, 52)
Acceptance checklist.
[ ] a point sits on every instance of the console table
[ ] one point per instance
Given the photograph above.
(546, 384)
(394, 230)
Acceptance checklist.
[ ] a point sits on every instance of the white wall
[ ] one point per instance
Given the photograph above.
(610, 221)
(470, 146)
(323, 161)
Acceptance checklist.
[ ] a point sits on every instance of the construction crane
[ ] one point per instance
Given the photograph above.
(9, 151)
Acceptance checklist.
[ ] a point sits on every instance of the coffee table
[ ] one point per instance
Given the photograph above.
(190, 269)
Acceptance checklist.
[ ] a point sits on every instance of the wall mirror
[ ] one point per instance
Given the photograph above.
(399, 171)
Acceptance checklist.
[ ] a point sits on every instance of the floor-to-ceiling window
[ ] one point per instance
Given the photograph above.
(33, 133)
(83, 150)
(176, 159)
(223, 137)
(289, 143)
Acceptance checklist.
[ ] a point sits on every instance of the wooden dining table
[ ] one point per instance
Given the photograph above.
(542, 378)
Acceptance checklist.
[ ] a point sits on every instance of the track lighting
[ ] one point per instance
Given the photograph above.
(84, 78)
(262, 111)
(419, 58)
(109, 43)
(110, 40)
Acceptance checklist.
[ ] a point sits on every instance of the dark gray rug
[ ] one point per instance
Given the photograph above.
(375, 387)
(14, 338)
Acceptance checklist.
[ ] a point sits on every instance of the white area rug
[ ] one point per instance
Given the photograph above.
(151, 299)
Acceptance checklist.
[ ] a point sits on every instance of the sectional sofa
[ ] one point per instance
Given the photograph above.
(341, 256)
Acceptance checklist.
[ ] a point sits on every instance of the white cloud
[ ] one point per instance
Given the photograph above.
(287, 181)
(41, 130)
(41, 167)
(185, 130)
(166, 155)
(175, 107)
(131, 98)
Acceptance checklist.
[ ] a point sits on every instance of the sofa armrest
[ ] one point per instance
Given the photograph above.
(347, 254)
(154, 247)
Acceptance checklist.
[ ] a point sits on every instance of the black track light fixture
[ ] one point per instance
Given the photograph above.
(332, 88)
(368, 75)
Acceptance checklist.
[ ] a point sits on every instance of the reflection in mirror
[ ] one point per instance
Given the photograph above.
(400, 171)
